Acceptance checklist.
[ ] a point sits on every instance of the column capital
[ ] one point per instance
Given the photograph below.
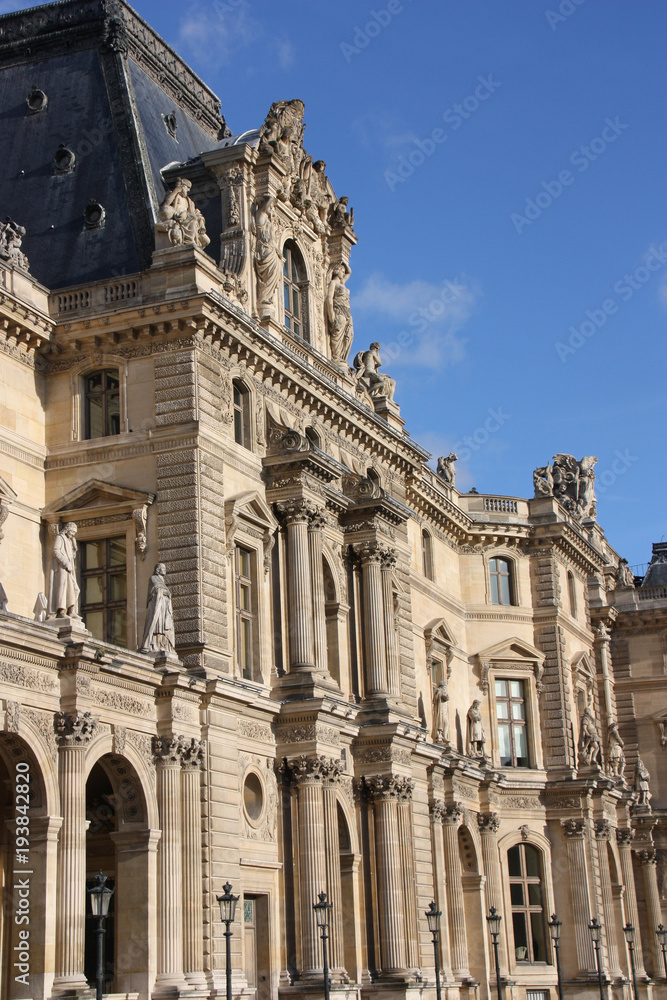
(602, 829)
(574, 829)
(168, 750)
(647, 856)
(488, 822)
(603, 633)
(625, 836)
(454, 814)
(389, 557)
(192, 754)
(385, 787)
(436, 811)
(311, 770)
(297, 510)
(368, 552)
(75, 730)
(317, 520)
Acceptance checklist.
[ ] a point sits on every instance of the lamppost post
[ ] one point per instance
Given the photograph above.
(493, 921)
(433, 918)
(629, 932)
(662, 938)
(554, 929)
(595, 927)
(322, 909)
(227, 913)
(100, 897)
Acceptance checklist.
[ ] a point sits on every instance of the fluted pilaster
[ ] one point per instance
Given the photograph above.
(409, 879)
(333, 882)
(73, 734)
(602, 834)
(296, 514)
(193, 931)
(457, 920)
(391, 641)
(575, 833)
(437, 814)
(168, 753)
(625, 838)
(370, 557)
(315, 527)
(489, 824)
(648, 861)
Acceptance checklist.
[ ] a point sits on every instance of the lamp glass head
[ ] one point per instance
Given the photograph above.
(629, 932)
(433, 918)
(100, 896)
(554, 927)
(493, 921)
(227, 904)
(322, 910)
(596, 930)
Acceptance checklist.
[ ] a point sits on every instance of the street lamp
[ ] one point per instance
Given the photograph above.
(662, 936)
(554, 929)
(322, 919)
(227, 912)
(629, 932)
(433, 918)
(493, 921)
(100, 897)
(596, 935)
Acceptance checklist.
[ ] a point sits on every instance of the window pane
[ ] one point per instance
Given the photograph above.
(518, 710)
(532, 861)
(297, 329)
(248, 915)
(95, 417)
(501, 709)
(118, 587)
(117, 547)
(504, 745)
(93, 592)
(94, 622)
(117, 626)
(505, 583)
(237, 396)
(295, 302)
(537, 929)
(244, 562)
(501, 689)
(238, 427)
(93, 553)
(495, 593)
(516, 894)
(295, 272)
(286, 291)
(520, 937)
(245, 597)
(535, 894)
(112, 380)
(246, 648)
(493, 565)
(520, 743)
(514, 860)
(113, 414)
(516, 689)
(94, 382)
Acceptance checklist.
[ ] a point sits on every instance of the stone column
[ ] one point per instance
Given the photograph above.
(437, 814)
(489, 824)
(602, 833)
(649, 861)
(393, 658)
(193, 905)
(575, 833)
(168, 753)
(315, 528)
(408, 875)
(457, 920)
(370, 556)
(333, 880)
(73, 734)
(297, 514)
(625, 837)
(385, 791)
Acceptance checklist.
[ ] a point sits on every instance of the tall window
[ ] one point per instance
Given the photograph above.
(427, 555)
(294, 289)
(502, 590)
(241, 413)
(572, 593)
(525, 877)
(104, 589)
(511, 715)
(102, 403)
(245, 612)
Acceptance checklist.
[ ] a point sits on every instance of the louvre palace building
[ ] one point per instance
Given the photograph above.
(248, 635)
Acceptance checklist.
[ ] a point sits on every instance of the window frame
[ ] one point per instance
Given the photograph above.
(511, 578)
(102, 362)
(428, 564)
(108, 570)
(502, 670)
(526, 908)
(512, 721)
(244, 616)
(104, 394)
(242, 409)
(293, 261)
(572, 593)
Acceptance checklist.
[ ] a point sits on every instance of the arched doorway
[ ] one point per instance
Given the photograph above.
(473, 903)
(331, 606)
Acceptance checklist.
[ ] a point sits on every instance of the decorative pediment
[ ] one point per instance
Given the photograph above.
(96, 502)
(251, 513)
(581, 664)
(511, 653)
(439, 643)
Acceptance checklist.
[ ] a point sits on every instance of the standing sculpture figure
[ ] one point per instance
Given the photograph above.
(366, 364)
(159, 629)
(338, 313)
(642, 778)
(446, 468)
(590, 745)
(441, 713)
(476, 737)
(267, 260)
(64, 588)
(615, 754)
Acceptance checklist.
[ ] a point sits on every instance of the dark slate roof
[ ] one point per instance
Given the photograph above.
(109, 80)
(656, 574)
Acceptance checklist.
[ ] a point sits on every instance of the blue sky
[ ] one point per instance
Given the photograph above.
(534, 217)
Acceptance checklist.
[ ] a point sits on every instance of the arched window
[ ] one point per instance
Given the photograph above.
(295, 291)
(241, 413)
(502, 585)
(313, 437)
(524, 867)
(102, 403)
(572, 593)
(427, 555)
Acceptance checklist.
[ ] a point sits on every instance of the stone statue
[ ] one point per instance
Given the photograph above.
(476, 738)
(268, 264)
(366, 364)
(339, 318)
(340, 215)
(570, 482)
(180, 219)
(441, 713)
(281, 136)
(446, 469)
(624, 575)
(642, 779)
(590, 745)
(64, 587)
(11, 237)
(615, 755)
(159, 629)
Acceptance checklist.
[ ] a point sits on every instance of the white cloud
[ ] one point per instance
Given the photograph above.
(285, 52)
(385, 130)
(213, 33)
(428, 318)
